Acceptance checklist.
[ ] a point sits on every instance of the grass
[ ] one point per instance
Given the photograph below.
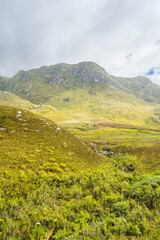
(10, 99)
(141, 87)
(85, 107)
(59, 184)
(107, 107)
(91, 94)
(143, 143)
(30, 139)
(55, 184)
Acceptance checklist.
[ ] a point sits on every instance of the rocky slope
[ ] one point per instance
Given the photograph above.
(60, 77)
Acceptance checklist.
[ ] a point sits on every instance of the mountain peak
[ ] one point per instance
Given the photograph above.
(41, 84)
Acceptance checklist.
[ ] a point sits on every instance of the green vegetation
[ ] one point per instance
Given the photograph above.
(142, 143)
(107, 106)
(108, 203)
(10, 99)
(142, 87)
(95, 175)
(53, 183)
(27, 137)
(85, 92)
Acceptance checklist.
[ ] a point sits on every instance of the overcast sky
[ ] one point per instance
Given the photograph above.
(123, 36)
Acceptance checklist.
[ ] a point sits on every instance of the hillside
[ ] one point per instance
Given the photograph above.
(85, 92)
(52, 184)
(30, 140)
(57, 78)
(40, 85)
(141, 87)
(10, 99)
(58, 185)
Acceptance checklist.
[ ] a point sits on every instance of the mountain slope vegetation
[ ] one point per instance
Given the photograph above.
(30, 139)
(141, 87)
(86, 92)
(10, 99)
(52, 184)
(60, 77)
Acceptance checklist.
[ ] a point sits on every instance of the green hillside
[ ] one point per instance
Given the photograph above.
(109, 105)
(85, 92)
(55, 186)
(114, 139)
(10, 99)
(141, 87)
(43, 84)
(54, 79)
(31, 140)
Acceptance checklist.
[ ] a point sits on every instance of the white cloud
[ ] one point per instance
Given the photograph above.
(145, 52)
(122, 36)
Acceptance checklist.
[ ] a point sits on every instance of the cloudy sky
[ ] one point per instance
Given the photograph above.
(123, 36)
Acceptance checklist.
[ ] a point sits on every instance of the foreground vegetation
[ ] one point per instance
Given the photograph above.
(53, 184)
(112, 202)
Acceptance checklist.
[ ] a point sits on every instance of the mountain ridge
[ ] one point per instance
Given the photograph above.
(87, 72)
(85, 91)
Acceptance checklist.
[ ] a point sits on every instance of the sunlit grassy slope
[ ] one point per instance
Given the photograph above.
(108, 106)
(85, 92)
(53, 184)
(102, 106)
(10, 99)
(30, 141)
(125, 139)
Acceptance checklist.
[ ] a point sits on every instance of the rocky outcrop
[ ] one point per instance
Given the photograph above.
(88, 72)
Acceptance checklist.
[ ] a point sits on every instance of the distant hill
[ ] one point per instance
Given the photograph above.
(40, 85)
(60, 77)
(141, 87)
(85, 91)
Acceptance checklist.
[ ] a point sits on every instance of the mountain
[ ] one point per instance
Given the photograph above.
(40, 85)
(86, 92)
(60, 77)
(54, 185)
(141, 87)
